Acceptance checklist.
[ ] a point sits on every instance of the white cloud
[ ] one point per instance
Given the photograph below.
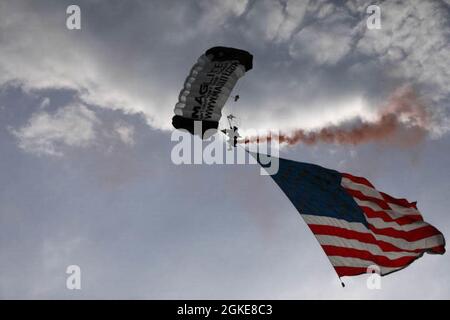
(144, 73)
(322, 46)
(217, 12)
(46, 133)
(414, 42)
(44, 103)
(125, 133)
(38, 52)
(264, 20)
(413, 45)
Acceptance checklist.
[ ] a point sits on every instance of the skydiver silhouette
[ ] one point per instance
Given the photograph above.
(236, 135)
(232, 135)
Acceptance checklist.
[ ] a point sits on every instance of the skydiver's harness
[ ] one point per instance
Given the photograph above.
(232, 133)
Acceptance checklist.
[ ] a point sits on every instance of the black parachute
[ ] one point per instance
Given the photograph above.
(208, 86)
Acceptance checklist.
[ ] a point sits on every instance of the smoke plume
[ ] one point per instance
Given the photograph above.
(403, 120)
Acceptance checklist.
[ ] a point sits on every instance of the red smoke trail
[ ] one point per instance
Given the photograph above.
(403, 120)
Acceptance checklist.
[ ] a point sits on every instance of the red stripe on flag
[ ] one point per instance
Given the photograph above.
(404, 220)
(359, 180)
(360, 236)
(400, 202)
(387, 198)
(349, 271)
(366, 255)
(358, 194)
(411, 235)
(354, 271)
(437, 250)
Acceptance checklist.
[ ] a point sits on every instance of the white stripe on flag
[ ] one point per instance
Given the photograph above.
(337, 261)
(396, 212)
(355, 244)
(425, 243)
(366, 190)
(381, 224)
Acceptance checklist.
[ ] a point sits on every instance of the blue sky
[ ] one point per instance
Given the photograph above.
(85, 171)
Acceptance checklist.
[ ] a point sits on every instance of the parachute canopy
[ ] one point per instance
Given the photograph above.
(208, 86)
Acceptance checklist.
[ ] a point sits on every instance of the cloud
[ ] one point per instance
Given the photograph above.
(43, 54)
(293, 17)
(77, 126)
(328, 36)
(44, 103)
(334, 57)
(264, 20)
(46, 134)
(413, 42)
(217, 12)
(308, 55)
(125, 133)
(322, 45)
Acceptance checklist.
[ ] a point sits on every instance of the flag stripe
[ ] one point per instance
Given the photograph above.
(383, 234)
(397, 245)
(359, 180)
(368, 191)
(355, 244)
(400, 202)
(372, 192)
(412, 235)
(380, 224)
(400, 220)
(358, 194)
(338, 261)
(394, 213)
(379, 260)
(349, 271)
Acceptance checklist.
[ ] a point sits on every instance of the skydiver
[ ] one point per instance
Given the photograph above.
(235, 134)
(232, 135)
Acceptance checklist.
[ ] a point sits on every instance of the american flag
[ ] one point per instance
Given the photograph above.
(356, 225)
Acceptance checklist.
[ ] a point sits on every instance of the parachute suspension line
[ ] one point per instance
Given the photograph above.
(231, 112)
(230, 118)
(230, 115)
